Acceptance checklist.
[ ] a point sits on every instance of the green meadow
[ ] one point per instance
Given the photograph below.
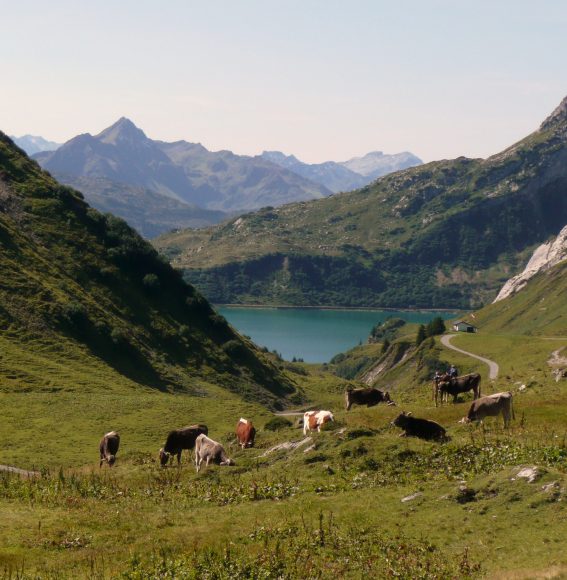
(361, 502)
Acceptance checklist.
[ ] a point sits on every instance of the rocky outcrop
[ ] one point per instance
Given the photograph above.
(544, 257)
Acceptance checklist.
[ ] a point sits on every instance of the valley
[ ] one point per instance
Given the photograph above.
(446, 234)
(99, 332)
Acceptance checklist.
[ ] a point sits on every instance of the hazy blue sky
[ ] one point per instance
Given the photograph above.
(322, 79)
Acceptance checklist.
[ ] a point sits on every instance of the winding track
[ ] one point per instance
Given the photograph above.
(493, 368)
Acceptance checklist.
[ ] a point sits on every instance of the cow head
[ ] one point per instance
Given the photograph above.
(401, 419)
(464, 421)
(227, 461)
(388, 399)
(163, 457)
(111, 460)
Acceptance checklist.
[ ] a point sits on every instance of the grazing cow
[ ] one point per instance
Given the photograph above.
(422, 428)
(455, 386)
(315, 420)
(368, 396)
(245, 433)
(180, 439)
(108, 448)
(491, 406)
(209, 451)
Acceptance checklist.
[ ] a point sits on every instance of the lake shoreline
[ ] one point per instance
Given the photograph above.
(345, 308)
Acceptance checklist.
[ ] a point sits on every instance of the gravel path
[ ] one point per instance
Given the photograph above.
(493, 368)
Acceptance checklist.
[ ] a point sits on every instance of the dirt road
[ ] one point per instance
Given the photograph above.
(493, 368)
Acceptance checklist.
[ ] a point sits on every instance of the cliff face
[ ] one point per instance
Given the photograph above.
(544, 257)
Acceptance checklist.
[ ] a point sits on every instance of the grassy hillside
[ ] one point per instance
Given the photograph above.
(148, 212)
(73, 278)
(540, 308)
(445, 234)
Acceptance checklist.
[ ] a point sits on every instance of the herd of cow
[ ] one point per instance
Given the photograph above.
(194, 436)
(209, 451)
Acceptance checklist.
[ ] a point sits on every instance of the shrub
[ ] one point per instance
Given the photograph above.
(151, 282)
(277, 423)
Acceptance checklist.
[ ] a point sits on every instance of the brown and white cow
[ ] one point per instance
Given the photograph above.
(210, 451)
(180, 439)
(108, 448)
(446, 386)
(315, 420)
(491, 406)
(366, 396)
(245, 433)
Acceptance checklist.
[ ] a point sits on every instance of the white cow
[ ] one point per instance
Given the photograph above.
(209, 451)
(315, 420)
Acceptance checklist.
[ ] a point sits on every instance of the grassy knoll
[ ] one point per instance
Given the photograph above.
(334, 510)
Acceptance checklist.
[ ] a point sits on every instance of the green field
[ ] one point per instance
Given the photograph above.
(336, 509)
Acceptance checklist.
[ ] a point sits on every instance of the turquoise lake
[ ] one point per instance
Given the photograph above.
(312, 334)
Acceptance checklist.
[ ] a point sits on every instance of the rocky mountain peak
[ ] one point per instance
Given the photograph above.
(122, 131)
(559, 115)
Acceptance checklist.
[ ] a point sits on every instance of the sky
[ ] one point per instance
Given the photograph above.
(324, 80)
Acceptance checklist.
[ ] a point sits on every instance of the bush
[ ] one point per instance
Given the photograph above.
(277, 423)
(151, 282)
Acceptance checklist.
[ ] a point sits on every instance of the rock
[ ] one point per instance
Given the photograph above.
(529, 473)
(522, 388)
(411, 497)
(287, 446)
(543, 258)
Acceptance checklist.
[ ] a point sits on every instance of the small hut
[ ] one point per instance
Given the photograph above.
(463, 326)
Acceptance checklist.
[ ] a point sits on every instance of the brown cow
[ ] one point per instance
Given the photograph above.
(455, 386)
(491, 406)
(366, 396)
(108, 448)
(245, 433)
(180, 439)
(209, 451)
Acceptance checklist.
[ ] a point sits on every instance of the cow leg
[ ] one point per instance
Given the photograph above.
(198, 463)
(179, 457)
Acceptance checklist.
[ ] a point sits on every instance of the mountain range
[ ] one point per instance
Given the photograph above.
(184, 171)
(80, 286)
(346, 175)
(34, 144)
(444, 234)
(158, 186)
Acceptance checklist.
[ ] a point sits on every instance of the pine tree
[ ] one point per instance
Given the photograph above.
(385, 345)
(435, 326)
(421, 335)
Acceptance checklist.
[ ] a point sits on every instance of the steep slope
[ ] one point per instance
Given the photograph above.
(544, 258)
(71, 276)
(538, 308)
(150, 213)
(445, 234)
(185, 171)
